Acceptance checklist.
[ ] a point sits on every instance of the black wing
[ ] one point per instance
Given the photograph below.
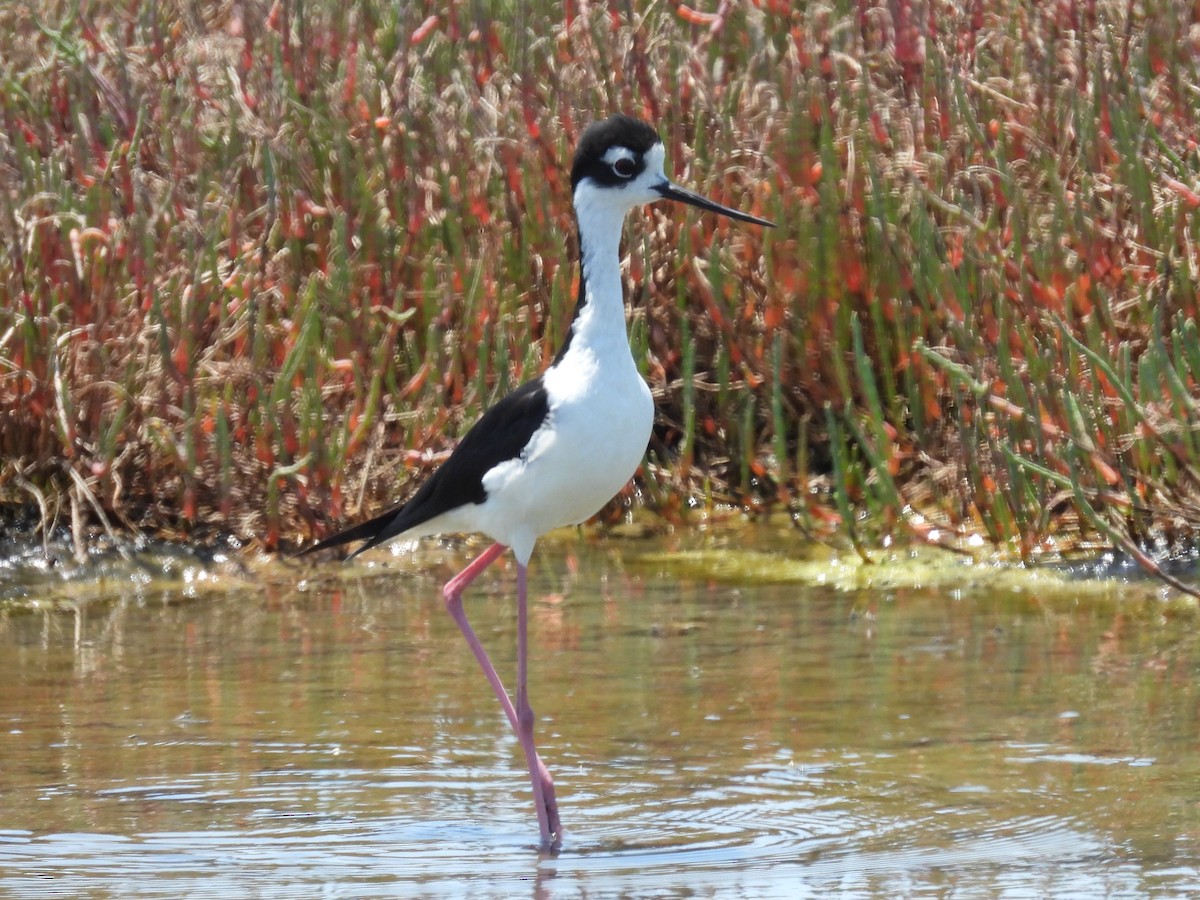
(502, 433)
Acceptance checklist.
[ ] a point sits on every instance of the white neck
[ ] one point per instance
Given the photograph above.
(599, 323)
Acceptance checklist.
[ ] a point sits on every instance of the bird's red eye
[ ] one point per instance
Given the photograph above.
(624, 167)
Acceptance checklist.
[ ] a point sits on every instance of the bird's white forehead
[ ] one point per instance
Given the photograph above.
(654, 158)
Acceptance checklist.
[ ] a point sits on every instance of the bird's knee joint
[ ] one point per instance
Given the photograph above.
(525, 718)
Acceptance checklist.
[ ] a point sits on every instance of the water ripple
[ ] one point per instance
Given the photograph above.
(770, 831)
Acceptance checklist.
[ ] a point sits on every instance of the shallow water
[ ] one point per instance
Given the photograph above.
(324, 730)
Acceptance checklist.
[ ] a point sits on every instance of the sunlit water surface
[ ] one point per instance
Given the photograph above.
(324, 731)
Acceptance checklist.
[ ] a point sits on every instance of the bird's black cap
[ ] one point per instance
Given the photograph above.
(616, 131)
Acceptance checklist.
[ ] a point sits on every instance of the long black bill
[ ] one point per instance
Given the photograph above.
(671, 191)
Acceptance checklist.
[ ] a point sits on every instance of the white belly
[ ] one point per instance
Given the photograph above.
(591, 445)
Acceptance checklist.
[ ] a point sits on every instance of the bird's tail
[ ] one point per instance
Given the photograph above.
(373, 531)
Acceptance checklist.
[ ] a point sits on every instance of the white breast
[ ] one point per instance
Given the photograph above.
(595, 436)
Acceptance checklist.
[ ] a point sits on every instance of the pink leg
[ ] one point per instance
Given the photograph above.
(522, 721)
(543, 785)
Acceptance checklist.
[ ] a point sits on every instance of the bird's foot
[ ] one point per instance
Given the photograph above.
(551, 805)
(545, 797)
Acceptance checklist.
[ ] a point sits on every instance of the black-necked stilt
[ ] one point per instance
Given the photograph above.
(555, 450)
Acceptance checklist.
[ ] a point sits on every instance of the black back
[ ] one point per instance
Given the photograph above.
(501, 434)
